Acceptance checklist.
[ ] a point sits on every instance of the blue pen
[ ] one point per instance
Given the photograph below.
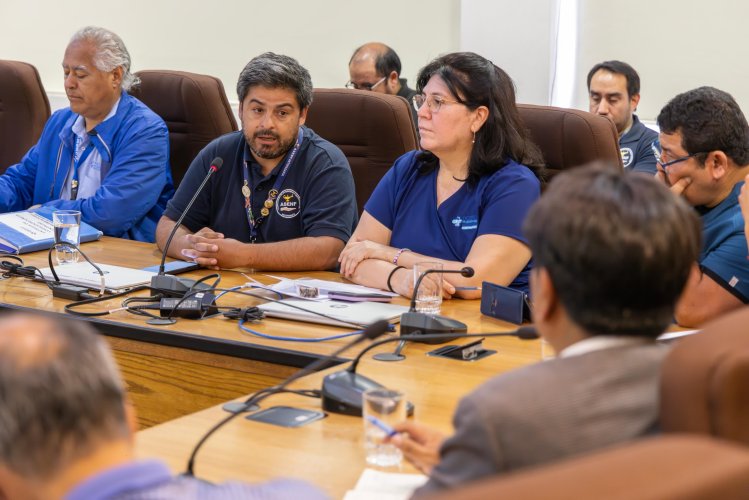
(389, 431)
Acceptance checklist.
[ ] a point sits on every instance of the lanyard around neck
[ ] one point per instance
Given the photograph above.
(74, 182)
(253, 222)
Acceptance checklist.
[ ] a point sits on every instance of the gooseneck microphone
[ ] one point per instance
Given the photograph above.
(413, 322)
(342, 391)
(371, 332)
(466, 272)
(171, 285)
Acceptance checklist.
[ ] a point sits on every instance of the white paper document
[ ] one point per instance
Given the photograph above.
(290, 287)
(669, 336)
(330, 312)
(29, 224)
(377, 485)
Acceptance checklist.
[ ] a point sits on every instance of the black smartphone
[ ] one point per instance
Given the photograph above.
(174, 267)
(505, 303)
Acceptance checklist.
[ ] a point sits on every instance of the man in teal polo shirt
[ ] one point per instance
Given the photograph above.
(703, 155)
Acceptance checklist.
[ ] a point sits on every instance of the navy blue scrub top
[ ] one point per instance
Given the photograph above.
(405, 201)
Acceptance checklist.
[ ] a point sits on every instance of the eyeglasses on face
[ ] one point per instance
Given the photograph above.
(433, 102)
(364, 86)
(658, 153)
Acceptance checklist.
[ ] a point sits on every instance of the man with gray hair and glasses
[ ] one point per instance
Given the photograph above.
(284, 197)
(66, 427)
(107, 155)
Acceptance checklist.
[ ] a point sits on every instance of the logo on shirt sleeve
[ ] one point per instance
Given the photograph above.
(627, 156)
(288, 204)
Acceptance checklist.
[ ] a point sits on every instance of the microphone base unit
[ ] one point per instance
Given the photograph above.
(413, 323)
(172, 286)
(343, 392)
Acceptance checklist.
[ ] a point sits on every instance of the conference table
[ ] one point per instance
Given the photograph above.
(178, 376)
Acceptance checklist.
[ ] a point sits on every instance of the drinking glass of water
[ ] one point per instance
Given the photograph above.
(429, 294)
(67, 224)
(383, 408)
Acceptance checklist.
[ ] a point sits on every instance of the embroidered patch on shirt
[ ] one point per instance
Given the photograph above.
(627, 156)
(466, 223)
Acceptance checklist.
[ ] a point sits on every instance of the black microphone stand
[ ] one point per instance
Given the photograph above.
(413, 322)
(371, 332)
(342, 391)
(169, 285)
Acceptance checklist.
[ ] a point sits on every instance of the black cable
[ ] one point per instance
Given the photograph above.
(191, 292)
(69, 307)
(370, 332)
(65, 244)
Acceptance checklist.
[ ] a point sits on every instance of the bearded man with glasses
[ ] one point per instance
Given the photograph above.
(703, 155)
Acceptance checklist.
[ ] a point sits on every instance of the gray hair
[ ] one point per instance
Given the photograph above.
(60, 394)
(274, 71)
(110, 53)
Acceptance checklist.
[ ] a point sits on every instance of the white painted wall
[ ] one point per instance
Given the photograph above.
(219, 37)
(517, 36)
(675, 46)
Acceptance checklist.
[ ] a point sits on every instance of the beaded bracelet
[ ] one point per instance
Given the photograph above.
(390, 276)
(398, 254)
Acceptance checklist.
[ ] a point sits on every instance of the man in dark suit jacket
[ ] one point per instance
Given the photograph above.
(612, 253)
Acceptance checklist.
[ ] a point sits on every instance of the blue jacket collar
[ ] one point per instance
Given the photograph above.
(103, 133)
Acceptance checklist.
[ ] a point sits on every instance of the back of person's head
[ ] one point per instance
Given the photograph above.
(475, 81)
(276, 71)
(619, 68)
(618, 248)
(386, 60)
(110, 52)
(61, 393)
(708, 120)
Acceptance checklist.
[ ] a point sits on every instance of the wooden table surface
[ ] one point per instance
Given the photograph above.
(329, 452)
(176, 370)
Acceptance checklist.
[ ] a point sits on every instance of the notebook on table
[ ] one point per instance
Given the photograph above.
(345, 314)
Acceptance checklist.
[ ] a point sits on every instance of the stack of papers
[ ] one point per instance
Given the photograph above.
(376, 485)
(290, 288)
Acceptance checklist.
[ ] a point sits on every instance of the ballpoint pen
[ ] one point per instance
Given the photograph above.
(389, 431)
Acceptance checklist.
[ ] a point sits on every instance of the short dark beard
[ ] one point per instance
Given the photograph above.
(282, 149)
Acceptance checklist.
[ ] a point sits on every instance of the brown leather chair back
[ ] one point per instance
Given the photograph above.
(570, 137)
(371, 129)
(24, 109)
(705, 380)
(664, 468)
(194, 107)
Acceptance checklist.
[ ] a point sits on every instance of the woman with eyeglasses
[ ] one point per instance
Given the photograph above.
(462, 198)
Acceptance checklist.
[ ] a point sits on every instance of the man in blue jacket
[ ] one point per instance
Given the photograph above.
(106, 155)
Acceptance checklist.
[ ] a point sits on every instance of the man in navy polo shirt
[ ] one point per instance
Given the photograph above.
(614, 92)
(284, 198)
(703, 155)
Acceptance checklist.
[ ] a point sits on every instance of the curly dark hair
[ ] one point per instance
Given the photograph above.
(602, 234)
(708, 119)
